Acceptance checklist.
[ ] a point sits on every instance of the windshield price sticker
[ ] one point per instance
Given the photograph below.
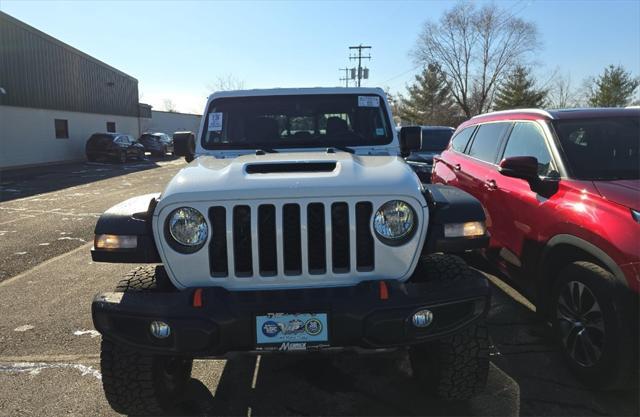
(368, 101)
(215, 122)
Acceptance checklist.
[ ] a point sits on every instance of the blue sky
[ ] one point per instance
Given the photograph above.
(177, 50)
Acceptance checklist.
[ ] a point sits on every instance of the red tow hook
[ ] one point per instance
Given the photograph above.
(384, 291)
(197, 298)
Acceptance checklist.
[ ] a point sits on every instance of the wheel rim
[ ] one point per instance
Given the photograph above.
(581, 323)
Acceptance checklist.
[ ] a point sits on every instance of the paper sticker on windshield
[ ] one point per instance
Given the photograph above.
(215, 122)
(368, 101)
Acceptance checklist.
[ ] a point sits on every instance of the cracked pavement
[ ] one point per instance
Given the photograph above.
(49, 356)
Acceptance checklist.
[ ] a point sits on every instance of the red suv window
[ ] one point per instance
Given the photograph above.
(487, 141)
(527, 139)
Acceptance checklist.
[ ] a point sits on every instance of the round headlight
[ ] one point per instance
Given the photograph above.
(187, 227)
(394, 222)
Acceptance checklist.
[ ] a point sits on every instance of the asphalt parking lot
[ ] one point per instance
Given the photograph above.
(49, 352)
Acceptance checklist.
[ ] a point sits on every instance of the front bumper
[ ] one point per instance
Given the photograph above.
(357, 315)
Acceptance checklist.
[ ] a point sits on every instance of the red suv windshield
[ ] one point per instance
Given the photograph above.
(601, 149)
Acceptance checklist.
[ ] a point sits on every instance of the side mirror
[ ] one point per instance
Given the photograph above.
(410, 140)
(524, 167)
(184, 144)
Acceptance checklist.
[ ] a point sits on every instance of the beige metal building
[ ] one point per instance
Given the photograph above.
(53, 97)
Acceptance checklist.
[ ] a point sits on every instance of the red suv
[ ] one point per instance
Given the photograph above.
(561, 191)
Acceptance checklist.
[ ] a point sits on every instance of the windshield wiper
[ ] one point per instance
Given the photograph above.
(264, 151)
(340, 148)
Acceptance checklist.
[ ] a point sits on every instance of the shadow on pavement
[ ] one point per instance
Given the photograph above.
(26, 182)
(336, 385)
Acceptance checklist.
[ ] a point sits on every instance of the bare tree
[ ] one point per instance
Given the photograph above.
(169, 105)
(562, 94)
(226, 82)
(475, 48)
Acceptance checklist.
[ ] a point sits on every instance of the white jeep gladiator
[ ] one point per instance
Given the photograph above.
(297, 227)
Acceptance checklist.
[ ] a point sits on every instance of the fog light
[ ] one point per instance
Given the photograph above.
(422, 318)
(160, 329)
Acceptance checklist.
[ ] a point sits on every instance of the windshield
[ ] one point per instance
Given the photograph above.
(296, 121)
(601, 149)
(435, 140)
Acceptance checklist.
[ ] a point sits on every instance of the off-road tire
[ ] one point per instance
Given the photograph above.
(146, 278)
(454, 367)
(447, 270)
(617, 366)
(136, 382)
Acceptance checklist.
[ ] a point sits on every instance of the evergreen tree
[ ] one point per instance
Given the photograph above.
(519, 91)
(614, 88)
(429, 101)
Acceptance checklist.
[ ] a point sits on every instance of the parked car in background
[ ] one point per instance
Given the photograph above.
(158, 143)
(434, 140)
(114, 146)
(561, 191)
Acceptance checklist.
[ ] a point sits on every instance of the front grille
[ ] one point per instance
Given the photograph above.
(291, 239)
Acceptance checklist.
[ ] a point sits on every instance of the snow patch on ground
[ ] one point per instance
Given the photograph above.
(92, 333)
(23, 328)
(71, 238)
(33, 368)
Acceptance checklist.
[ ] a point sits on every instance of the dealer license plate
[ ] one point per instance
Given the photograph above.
(280, 331)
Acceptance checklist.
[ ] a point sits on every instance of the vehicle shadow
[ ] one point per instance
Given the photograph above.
(323, 384)
(26, 182)
(339, 384)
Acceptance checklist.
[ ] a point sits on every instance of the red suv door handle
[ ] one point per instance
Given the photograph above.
(490, 184)
(457, 167)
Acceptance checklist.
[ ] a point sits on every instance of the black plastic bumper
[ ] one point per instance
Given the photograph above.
(357, 316)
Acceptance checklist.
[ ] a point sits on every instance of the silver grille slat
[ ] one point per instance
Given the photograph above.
(304, 239)
(279, 240)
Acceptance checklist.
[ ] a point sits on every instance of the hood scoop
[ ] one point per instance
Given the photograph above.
(290, 167)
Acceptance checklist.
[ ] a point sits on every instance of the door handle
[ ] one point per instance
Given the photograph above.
(490, 184)
(457, 167)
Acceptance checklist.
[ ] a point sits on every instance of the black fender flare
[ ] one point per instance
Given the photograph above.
(449, 205)
(131, 217)
(590, 248)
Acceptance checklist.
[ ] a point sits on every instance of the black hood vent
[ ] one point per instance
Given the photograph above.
(290, 167)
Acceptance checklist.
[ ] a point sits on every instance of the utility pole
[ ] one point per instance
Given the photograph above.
(360, 57)
(346, 76)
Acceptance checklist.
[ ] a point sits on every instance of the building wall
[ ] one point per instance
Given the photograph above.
(169, 122)
(39, 71)
(28, 137)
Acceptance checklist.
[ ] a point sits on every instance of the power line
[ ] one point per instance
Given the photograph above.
(401, 74)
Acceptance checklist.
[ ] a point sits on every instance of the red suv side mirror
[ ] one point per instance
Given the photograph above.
(525, 167)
